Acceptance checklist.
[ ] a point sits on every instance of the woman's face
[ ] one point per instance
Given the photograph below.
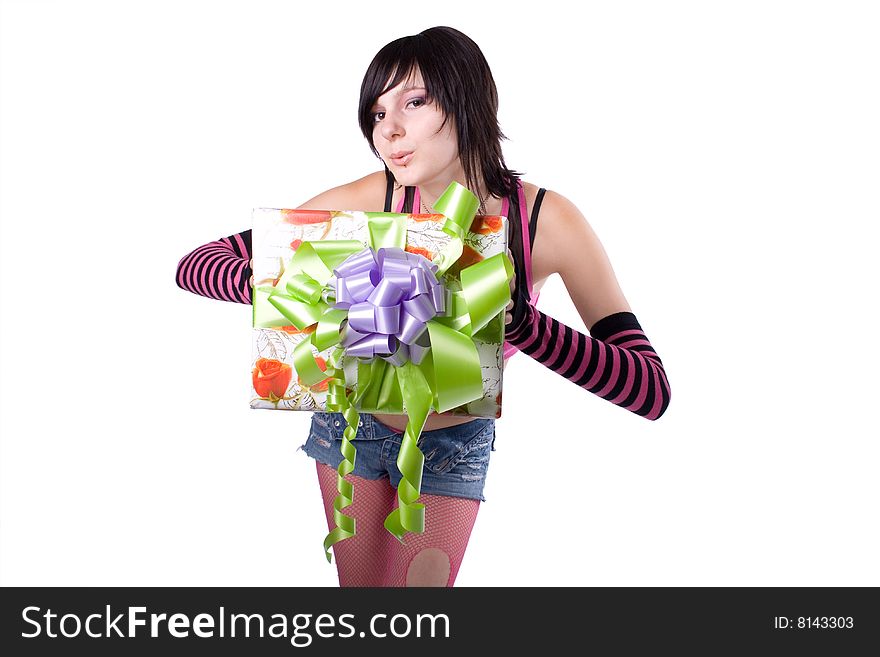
(407, 134)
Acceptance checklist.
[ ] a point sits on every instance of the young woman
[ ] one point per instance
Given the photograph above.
(428, 108)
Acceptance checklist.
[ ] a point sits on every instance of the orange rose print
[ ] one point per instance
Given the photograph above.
(420, 251)
(485, 224)
(271, 377)
(320, 386)
(468, 257)
(292, 330)
(303, 217)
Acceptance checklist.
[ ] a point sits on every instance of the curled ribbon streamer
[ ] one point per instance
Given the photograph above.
(345, 525)
(410, 335)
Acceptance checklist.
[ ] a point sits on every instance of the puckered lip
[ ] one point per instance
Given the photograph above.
(399, 154)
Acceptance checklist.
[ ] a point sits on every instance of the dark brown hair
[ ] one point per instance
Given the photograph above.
(458, 79)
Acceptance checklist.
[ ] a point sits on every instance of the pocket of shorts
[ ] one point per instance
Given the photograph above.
(443, 455)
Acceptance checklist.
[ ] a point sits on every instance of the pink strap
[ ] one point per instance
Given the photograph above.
(509, 349)
(526, 238)
(416, 200)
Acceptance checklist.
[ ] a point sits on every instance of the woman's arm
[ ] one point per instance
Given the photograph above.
(222, 269)
(617, 362)
(219, 269)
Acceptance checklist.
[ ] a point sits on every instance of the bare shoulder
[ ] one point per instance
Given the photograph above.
(558, 221)
(367, 193)
(555, 207)
(555, 217)
(566, 244)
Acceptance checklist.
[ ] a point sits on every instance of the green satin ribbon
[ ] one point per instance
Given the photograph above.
(447, 377)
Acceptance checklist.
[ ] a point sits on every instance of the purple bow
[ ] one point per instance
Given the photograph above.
(390, 296)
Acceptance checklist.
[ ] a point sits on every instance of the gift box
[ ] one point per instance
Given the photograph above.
(385, 313)
(277, 234)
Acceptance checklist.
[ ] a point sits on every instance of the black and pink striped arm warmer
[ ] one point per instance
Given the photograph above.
(220, 269)
(617, 363)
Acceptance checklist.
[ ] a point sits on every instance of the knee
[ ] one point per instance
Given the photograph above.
(430, 567)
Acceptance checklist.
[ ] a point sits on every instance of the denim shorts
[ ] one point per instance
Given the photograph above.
(456, 457)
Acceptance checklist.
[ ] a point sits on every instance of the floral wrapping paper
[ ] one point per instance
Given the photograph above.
(277, 234)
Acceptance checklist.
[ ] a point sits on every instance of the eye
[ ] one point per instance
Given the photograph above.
(420, 102)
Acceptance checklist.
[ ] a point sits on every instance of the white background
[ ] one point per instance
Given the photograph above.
(726, 154)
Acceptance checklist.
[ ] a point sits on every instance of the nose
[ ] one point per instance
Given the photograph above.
(391, 126)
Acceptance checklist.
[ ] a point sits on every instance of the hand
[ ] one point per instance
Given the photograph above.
(508, 314)
(251, 265)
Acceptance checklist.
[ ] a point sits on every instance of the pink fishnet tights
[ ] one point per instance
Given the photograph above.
(373, 557)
